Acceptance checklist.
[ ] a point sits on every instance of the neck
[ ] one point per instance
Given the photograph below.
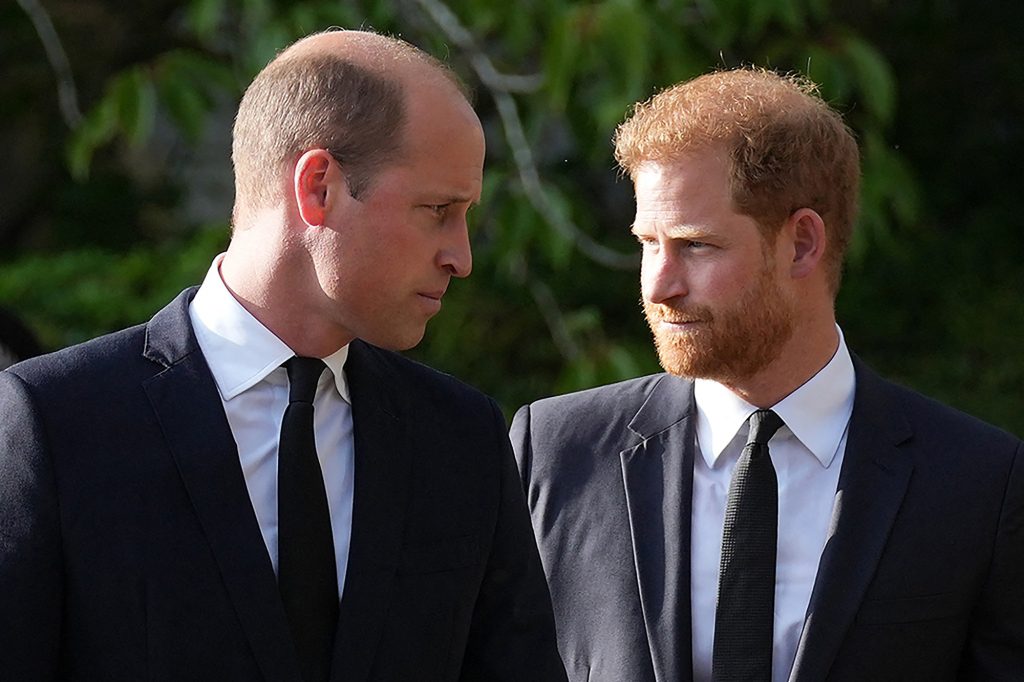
(268, 283)
(804, 354)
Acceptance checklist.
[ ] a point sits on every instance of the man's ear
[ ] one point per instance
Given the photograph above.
(318, 183)
(806, 230)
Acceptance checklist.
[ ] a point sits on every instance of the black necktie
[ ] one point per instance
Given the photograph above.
(746, 579)
(307, 573)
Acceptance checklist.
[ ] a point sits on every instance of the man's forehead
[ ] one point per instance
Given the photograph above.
(702, 171)
(704, 156)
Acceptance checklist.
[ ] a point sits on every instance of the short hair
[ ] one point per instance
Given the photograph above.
(316, 99)
(787, 148)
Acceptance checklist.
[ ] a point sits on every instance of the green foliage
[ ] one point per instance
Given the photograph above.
(543, 311)
(97, 129)
(71, 296)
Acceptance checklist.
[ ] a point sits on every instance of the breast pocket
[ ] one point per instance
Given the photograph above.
(911, 609)
(439, 555)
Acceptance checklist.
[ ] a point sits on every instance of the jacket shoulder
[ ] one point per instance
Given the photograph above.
(100, 359)
(423, 386)
(597, 419)
(613, 401)
(927, 418)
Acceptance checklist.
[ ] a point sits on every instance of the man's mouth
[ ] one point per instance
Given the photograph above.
(679, 325)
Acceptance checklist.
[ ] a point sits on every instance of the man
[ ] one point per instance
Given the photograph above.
(769, 508)
(190, 499)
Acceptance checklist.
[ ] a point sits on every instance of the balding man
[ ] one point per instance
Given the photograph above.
(249, 486)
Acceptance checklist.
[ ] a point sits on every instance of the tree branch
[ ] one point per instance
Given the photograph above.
(67, 94)
(500, 86)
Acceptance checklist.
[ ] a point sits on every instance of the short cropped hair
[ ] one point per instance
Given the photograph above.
(321, 100)
(308, 102)
(787, 148)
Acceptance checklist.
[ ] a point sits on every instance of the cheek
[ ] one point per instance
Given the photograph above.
(724, 280)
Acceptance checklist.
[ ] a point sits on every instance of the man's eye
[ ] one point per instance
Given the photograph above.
(691, 244)
(439, 210)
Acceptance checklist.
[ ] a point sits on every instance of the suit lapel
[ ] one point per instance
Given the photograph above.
(658, 477)
(381, 497)
(186, 403)
(872, 484)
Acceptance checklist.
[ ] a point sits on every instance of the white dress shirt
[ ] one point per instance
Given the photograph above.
(245, 358)
(807, 454)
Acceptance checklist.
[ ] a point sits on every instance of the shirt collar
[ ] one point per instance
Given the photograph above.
(817, 413)
(239, 350)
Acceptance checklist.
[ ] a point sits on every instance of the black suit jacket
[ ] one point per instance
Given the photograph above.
(922, 577)
(129, 549)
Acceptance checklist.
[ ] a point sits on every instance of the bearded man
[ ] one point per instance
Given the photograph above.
(769, 508)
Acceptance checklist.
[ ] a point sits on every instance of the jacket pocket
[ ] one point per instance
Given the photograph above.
(910, 609)
(440, 555)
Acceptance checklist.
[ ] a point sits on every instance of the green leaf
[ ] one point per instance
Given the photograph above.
(624, 27)
(483, 16)
(136, 102)
(561, 56)
(874, 78)
(578, 374)
(622, 364)
(96, 129)
(204, 18)
(265, 46)
(205, 73)
(558, 247)
(513, 228)
(185, 105)
(819, 9)
(904, 195)
(892, 183)
(304, 19)
(725, 20)
(583, 320)
(761, 12)
(256, 13)
(791, 14)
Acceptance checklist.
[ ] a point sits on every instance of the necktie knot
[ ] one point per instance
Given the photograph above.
(303, 376)
(763, 425)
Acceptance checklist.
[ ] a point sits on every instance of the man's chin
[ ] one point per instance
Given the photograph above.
(679, 361)
(691, 360)
(397, 341)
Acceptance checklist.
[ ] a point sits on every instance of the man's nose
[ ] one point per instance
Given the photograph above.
(456, 256)
(662, 277)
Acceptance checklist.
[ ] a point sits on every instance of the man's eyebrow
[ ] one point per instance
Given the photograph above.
(452, 199)
(674, 231)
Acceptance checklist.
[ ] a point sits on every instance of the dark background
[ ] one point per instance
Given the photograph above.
(104, 219)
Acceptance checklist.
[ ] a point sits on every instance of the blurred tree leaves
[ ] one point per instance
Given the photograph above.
(88, 291)
(552, 303)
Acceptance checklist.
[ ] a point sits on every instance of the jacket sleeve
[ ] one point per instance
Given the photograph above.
(995, 645)
(995, 648)
(31, 584)
(512, 635)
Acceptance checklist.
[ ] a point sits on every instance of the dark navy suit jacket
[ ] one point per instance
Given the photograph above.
(129, 549)
(921, 580)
